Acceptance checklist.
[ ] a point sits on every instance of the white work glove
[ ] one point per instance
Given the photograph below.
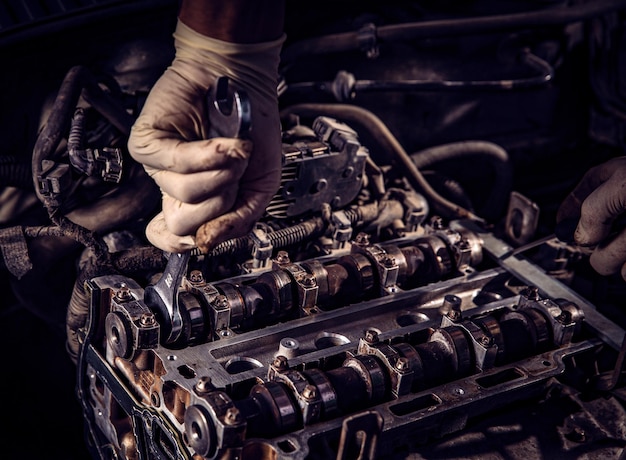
(595, 203)
(213, 189)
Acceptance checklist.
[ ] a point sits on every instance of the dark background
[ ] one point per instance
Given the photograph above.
(549, 134)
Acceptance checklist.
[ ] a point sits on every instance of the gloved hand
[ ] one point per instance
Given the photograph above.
(595, 204)
(213, 189)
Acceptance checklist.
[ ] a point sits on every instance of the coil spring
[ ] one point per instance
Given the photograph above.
(77, 129)
(230, 247)
(297, 233)
(279, 238)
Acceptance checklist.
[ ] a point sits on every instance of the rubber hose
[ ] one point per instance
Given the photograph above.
(449, 188)
(499, 158)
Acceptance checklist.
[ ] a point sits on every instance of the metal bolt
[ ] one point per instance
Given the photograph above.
(463, 244)
(485, 340)
(123, 294)
(371, 336)
(280, 362)
(147, 319)
(309, 392)
(437, 223)
(283, 257)
(203, 385)
(362, 239)
(565, 317)
(232, 416)
(454, 315)
(388, 261)
(577, 435)
(196, 276)
(450, 303)
(220, 302)
(402, 364)
(532, 293)
(308, 280)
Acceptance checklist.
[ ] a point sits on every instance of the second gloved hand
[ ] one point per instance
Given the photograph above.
(213, 189)
(595, 205)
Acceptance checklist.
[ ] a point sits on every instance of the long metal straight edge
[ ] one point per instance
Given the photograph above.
(500, 251)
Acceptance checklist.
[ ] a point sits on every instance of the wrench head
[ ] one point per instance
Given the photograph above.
(229, 111)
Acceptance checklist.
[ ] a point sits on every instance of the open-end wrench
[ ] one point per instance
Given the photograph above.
(162, 298)
(228, 110)
(229, 116)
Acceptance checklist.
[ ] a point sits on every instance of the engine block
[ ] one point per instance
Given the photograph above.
(350, 355)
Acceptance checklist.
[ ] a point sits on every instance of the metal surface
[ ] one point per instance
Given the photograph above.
(389, 367)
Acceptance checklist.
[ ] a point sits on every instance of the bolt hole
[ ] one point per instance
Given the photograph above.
(186, 371)
(408, 319)
(196, 432)
(115, 335)
(330, 339)
(241, 364)
(286, 446)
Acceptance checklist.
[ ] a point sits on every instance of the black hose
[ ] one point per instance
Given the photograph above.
(380, 132)
(350, 41)
(499, 158)
(450, 188)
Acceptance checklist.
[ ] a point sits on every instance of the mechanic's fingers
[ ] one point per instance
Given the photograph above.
(610, 257)
(165, 150)
(596, 214)
(238, 222)
(184, 218)
(570, 207)
(197, 187)
(600, 209)
(159, 235)
(568, 215)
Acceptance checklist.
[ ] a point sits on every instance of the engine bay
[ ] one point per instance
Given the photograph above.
(403, 296)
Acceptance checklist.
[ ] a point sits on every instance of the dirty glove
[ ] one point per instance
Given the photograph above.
(595, 204)
(213, 189)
